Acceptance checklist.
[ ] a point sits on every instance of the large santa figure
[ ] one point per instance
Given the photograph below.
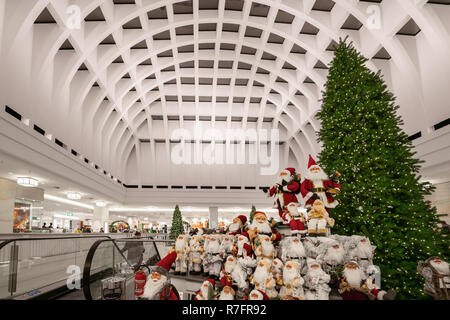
(158, 286)
(295, 219)
(285, 190)
(182, 249)
(292, 281)
(317, 185)
(354, 285)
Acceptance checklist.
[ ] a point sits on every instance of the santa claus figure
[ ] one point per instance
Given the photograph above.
(360, 250)
(332, 256)
(182, 250)
(226, 245)
(316, 282)
(318, 220)
(205, 255)
(354, 285)
(293, 250)
(213, 257)
(317, 185)
(261, 226)
(226, 279)
(292, 281)
(285, 190)
(437, 277)
(257, 295)
(207, 290)
(264, 248)
(238, 225)
(158, 286)
(262, 276)
(277, 271)
(195, 255)
(311, 246)
(227, 293)
(295, 219)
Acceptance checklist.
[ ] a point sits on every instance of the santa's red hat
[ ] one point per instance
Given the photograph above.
(258, 213)
(242, 218)
(212, 281)
(311, 162)
(291, 170)
(163, 266)
(264, 295)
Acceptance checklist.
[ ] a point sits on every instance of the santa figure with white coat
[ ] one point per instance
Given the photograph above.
(226, 245)
(285, 190)
(292, 281)
(316, 282)
(360, 250)
(226, 278)
(264, 249)
(317, 185)
(295, 219)
(262, 276)
(213, 257)
(293, 250)
(277, 271)
(195, 255)
(182, 250)
(332, 255)
(227, 293)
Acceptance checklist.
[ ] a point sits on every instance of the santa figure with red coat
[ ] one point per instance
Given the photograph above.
(238, 225)
(355, 286)
(158, 286)
(285, 190)
(206, 291)
(318, 186)
(295, 219)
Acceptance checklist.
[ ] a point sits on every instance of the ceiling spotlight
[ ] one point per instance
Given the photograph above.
(27, 182)
(100, 204)
(74, 196)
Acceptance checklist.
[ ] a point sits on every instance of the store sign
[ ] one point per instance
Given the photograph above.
(69, 214)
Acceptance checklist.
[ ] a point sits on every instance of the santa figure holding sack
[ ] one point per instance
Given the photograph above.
(238, 225)
(295, 219)
(285, 190)
(354, 285)
(317, 185)
(182, 249)
(292, 281)
(158, 286)
(207, 290)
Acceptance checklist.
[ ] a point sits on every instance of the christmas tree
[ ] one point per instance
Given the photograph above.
(177, 224)
(381, 196)
(252, 213)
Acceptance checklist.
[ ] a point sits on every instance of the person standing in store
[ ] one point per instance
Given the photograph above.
(44, 226)
(50, 227)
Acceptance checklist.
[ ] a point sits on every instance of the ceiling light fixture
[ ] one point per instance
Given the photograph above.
(62, 200)
(74, 196)
(27, 182)
(100, 204)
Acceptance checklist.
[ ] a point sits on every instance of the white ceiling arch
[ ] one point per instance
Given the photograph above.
(104, 108)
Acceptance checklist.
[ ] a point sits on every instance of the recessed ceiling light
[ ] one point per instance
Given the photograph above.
(100, 204)
(74, 196)
(27, 182)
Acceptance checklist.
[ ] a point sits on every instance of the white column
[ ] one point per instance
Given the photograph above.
(7, 199)
(101, 216)
(213, 217)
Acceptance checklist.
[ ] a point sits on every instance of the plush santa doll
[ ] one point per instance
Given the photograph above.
(182, 250)
(318, 220)
(311, 246)
(292, 281)
(295, 219)
(264, 248)
(227, 293)
(360, 250)
(316, 282)
(317, 185)
(205, 261)
(226, 279)
(262, 276)
(226, 245)
(206, 291)
(213, 257)
(285, 190)
(354, 285)
(257, 295)
(293, 250)
(332, 255)
(195, 255)
(277, 271)
(437, 277)
(261, 225)
(158, 286)
(238, 225)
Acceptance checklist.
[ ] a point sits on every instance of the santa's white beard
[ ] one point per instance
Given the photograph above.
(204, 292)
(213, 247)
(364, 250)
(314, 273)
(353, 277)
(263, 227)
(153, 287)
(226, 296)
(296, 250)
(267, 248)
(229, 266)
(441, 268)
(335, 256)
(179, 245)
(293, 212)
(234, 227)
(289, 275)
(261, 274)
(284, 180)
(316, 175)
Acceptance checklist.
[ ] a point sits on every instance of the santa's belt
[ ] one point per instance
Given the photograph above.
(265, 233)
(318, 190)
(289, 257)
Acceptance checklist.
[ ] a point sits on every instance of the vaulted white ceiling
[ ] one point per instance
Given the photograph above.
(112, 91)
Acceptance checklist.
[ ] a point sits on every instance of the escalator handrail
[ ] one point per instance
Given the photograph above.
(8, 241)
(88, 263)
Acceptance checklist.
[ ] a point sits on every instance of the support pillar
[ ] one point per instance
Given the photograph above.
(7, 199)
(213, 217)
(101, 217)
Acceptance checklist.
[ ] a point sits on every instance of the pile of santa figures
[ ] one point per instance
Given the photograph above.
(253, 260)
